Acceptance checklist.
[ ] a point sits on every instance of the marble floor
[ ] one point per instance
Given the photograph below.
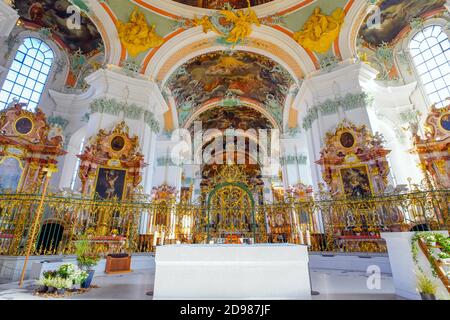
(331, 284)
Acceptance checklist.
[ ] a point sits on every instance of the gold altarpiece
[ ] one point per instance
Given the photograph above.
(434, 149)
(111, 165)
(28, 147)
(353, 162)
(111, 171)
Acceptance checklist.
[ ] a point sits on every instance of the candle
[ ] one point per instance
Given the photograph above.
(155, 238)
(211, 242)
(308, 238)
(178, 242)
(162, 237)
(301, 237)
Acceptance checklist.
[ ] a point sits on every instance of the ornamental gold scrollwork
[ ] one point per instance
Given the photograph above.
(320, 31)
(136, 35)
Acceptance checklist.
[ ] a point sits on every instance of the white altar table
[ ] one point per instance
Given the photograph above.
(260, 271)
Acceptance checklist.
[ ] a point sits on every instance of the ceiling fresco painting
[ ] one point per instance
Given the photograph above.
(53, 15)
(219, 4)
(222, 75)
(395, 16)
(236, 117)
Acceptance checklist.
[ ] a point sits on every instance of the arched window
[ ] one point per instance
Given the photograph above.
(430, 50)
(28, 73)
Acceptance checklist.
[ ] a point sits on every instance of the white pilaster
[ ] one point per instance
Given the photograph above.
(113, 85)
(8, 18)
(170, 172)
(389, 104)
(347, 78)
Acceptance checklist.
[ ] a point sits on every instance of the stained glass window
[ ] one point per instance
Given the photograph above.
(28, 73)
(431, 55)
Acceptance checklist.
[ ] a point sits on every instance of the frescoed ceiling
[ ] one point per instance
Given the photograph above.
(219, 4)
(235, 117)
(224, 74)
(395, 16)
(52, 14)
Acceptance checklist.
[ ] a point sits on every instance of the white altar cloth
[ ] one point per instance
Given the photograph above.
(260, 271)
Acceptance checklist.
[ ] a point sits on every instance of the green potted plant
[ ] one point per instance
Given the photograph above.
(427, 288)
(87, 260)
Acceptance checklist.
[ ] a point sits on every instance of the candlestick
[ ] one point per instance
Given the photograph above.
(155, 238)
(308, 237)
(301, 237)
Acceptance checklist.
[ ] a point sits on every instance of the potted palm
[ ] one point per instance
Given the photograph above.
(87, 260)
(427, 288)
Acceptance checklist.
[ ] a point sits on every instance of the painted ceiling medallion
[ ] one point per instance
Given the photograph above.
(136, 35)
(320, 31)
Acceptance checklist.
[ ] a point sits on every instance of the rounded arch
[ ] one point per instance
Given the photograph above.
(198, 153)
(354, 19)
(174, 9)
(267, 41)
(244, 101)
(26, 43)
(105, 21)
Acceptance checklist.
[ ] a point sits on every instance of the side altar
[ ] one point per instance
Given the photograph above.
(260, 271)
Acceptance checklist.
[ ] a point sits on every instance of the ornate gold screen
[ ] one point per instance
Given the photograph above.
(230, 211)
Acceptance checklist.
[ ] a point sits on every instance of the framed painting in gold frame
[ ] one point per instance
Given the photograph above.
(110, 183)
(444, 122)
(355, 181)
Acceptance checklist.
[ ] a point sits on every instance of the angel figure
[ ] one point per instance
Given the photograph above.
(242, 21)
(205, 23)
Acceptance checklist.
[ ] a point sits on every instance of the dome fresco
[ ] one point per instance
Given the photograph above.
(221, 74)
(395, 16)
(236, 117)
(53, 15)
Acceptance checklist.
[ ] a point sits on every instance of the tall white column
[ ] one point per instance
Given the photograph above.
(122, 95)
(348, 78)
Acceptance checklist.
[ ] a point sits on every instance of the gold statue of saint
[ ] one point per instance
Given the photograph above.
(136, 35)
(320, 31)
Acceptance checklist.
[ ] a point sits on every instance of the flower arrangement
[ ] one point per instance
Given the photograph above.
(64, 278)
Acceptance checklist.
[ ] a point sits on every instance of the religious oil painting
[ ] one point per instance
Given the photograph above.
(356, 182)
(24, 125)
(395, 16)
(347, 140)
(445, 122)
(11, 173)
(117, 143)
(54, 15)
(110, 184)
